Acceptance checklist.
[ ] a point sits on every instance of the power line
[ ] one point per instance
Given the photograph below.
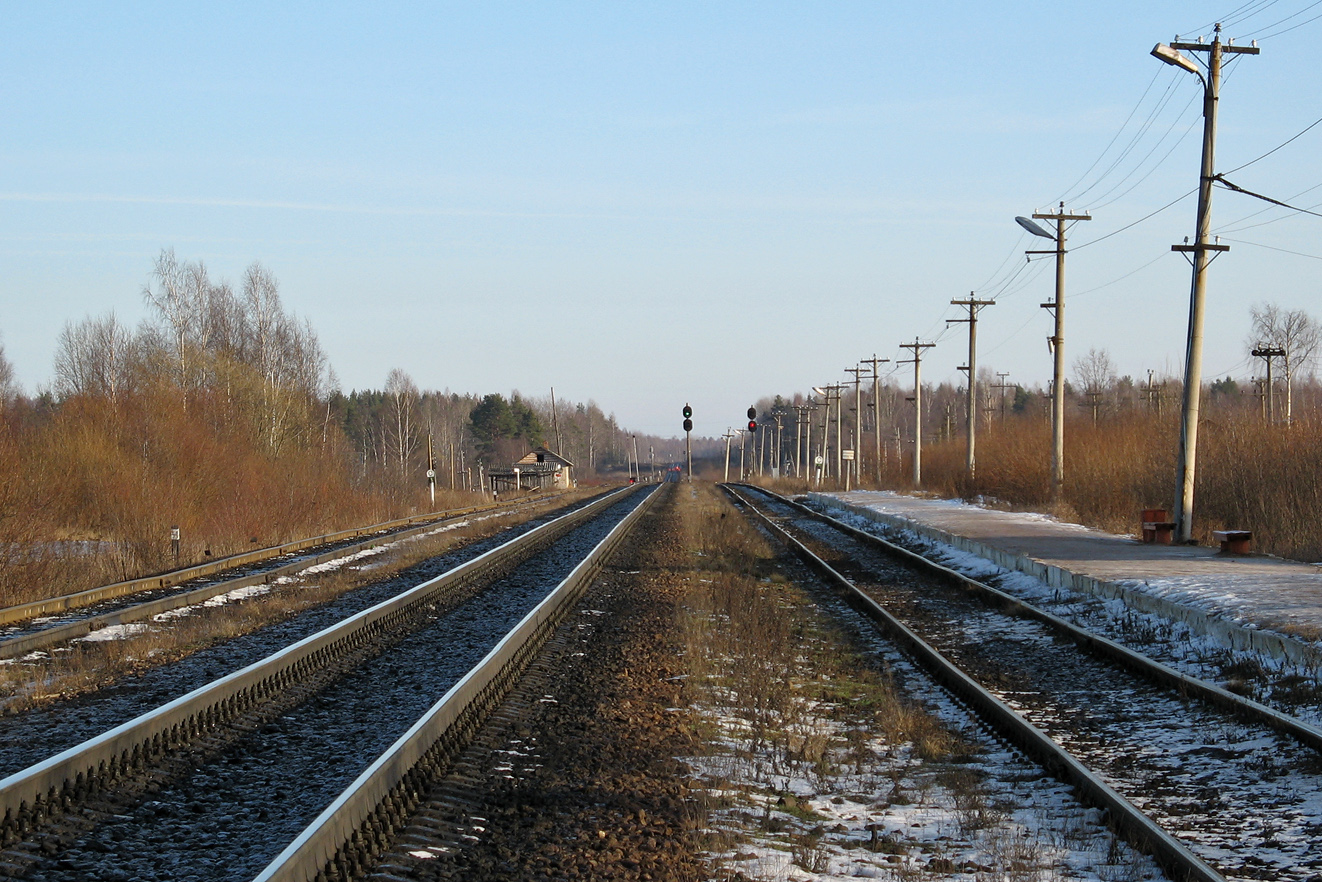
(1278, 146)
(1221, 179)
(1122, 278)
(1315, 3)
(1178, 141)
(1114, 138)
(1173, 202)
(1232, 226)
(1273, 248)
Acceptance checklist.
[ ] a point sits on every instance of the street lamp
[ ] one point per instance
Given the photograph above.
(1202, 247)
(1057, 340)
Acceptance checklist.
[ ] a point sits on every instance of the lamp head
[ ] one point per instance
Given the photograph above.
(1173, 57)
(1033, 228)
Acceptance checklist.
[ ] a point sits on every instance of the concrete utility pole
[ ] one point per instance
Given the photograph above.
(918, 405)
(1001, 386)
(972, 305)
(876, 409)
(858, 414)
(838, 390)
(1056, 341)
(729, 433)
(1202, 247)
(1267, 353)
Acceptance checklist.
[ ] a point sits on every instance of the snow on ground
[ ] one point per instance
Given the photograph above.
(114, 632)
(329, 566)
(1171, 642)
(825, 793)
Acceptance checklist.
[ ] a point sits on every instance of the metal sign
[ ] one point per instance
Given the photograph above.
(848, 455)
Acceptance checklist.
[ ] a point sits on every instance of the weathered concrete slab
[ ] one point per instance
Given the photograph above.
(1256, 601)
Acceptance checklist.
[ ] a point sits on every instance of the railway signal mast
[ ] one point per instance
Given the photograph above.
(688, 446)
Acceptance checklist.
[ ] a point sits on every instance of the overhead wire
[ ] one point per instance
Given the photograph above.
(1118, 279)
(1221, 179)
(1114, 137)
(1145, 217)
(1157, 165)
(1284, 143)
(1233, 226)
(1144, 128)
(1273, 248)
(1253, 34)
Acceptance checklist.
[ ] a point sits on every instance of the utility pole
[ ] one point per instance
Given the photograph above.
(918, 405)
(807, 441)
(858, 414)
(838, 390)
(972, 305)
(1202, 247)
(1056, 341)
(876, 410)
(1001, 386)
(555, 425)
(1267, 353)
(729, 433)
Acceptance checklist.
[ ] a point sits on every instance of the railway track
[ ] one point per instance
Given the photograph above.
(40, 624)
(1213, 786)
(212, 784)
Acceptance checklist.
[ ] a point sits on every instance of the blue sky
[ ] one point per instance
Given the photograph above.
(644, 204)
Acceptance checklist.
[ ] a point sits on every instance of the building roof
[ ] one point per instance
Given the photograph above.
(543, 455)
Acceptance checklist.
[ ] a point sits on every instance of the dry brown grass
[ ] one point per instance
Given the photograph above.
(766, 655)
(92, 665)
(1250, 475)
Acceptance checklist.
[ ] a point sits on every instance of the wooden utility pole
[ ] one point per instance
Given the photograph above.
(918, 405)
(876, 409)
(972, 305)
(555, 425)
(1057, 343)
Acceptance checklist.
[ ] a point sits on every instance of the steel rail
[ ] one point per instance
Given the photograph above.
(14, 647)
(356, 825)
(1164, 675)
(1140, 830)
(78, 599)
(53, 785)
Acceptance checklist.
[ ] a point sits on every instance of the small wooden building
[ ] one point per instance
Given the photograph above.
(541, 469)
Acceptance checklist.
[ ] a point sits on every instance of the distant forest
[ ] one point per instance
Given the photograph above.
(221, 414)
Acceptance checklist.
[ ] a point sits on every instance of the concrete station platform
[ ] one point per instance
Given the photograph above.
(1248, 601)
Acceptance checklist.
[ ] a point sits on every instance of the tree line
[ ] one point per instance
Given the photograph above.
(220, 414)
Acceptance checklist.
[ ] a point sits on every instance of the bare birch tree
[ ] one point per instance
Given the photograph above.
(94, 357)
(1096, 375)
(402, 395)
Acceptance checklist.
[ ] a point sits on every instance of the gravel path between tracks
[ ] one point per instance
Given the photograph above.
(578, 777)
